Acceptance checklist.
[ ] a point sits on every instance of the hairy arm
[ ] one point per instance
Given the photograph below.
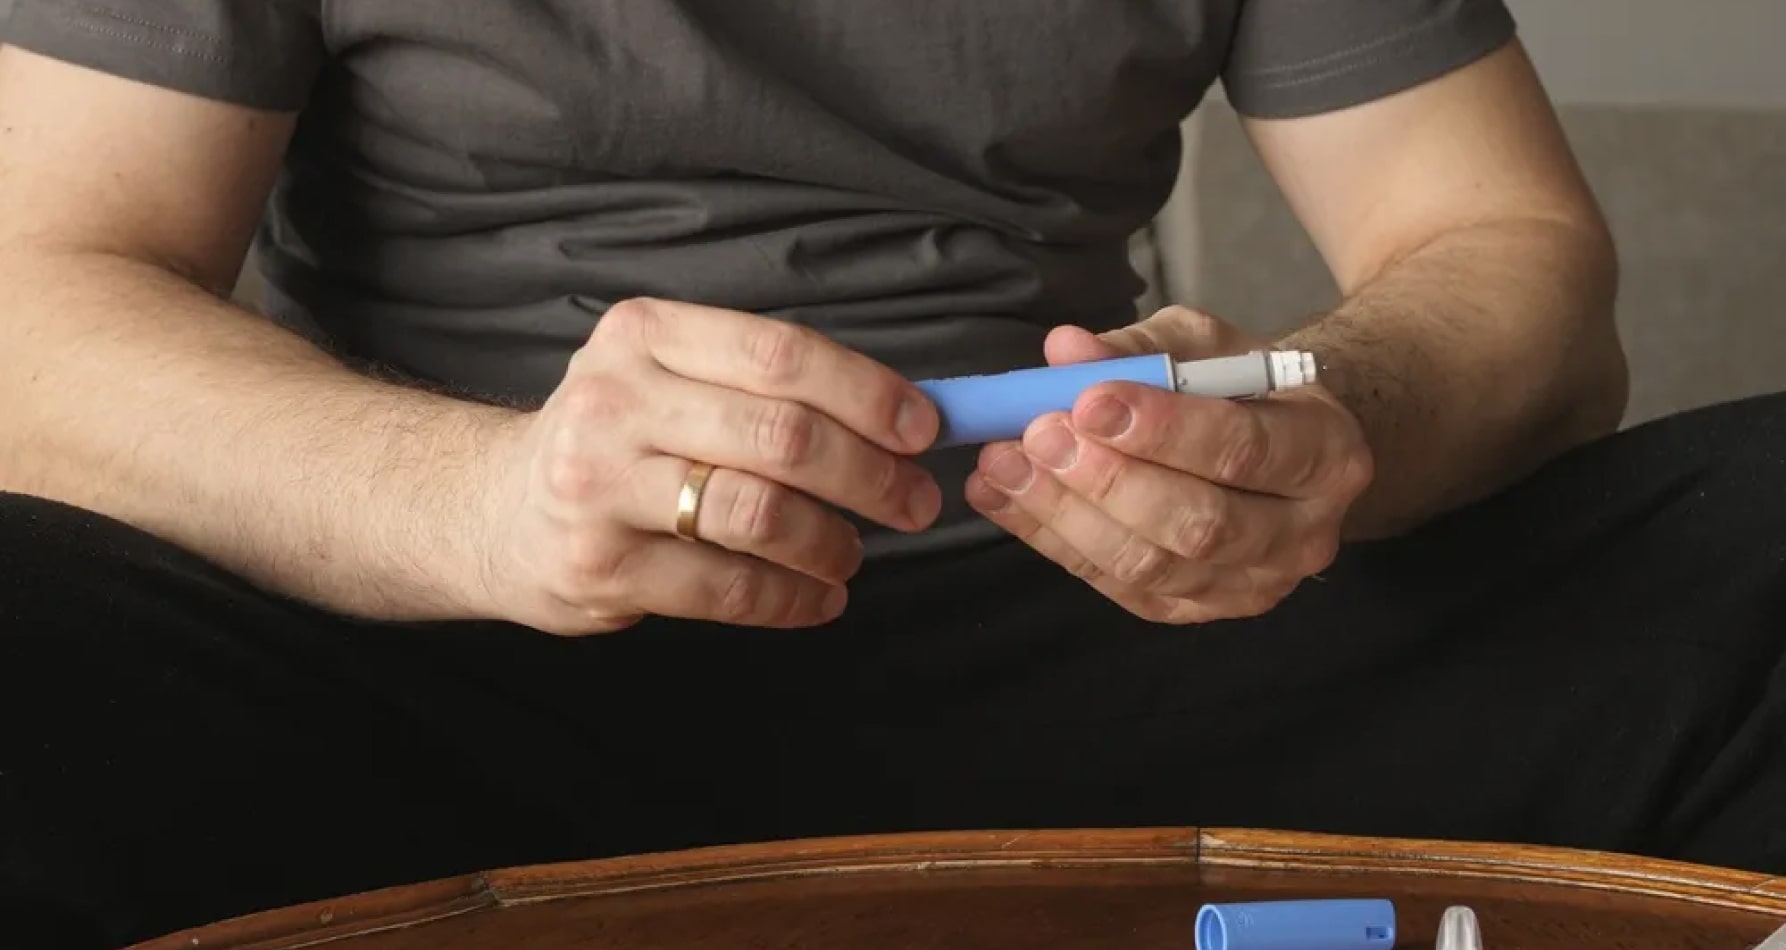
(131, 387)
(1476, 337)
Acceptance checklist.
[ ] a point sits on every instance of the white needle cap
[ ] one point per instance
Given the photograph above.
(1458, 930)
(1292, 368)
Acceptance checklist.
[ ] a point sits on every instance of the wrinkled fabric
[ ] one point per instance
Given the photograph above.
(936, 183)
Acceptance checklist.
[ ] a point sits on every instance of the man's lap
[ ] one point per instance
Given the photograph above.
(1593, 658)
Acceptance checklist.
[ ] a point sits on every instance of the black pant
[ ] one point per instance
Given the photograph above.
(1596, 658)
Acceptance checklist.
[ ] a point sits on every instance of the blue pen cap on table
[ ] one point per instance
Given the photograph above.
(1297, 925)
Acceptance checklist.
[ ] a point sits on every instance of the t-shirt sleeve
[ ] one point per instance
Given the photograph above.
(258, 53)
(1300, 57)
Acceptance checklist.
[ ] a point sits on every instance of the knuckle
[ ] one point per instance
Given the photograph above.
(1158, 610)
(742, 594)
(1197, 531)
(1102, 475)
(1029, 530)
(570, 478)
(1152, 336)
(1266, 597)
(1195, 583)
(585, 359)
(1069, 559)
(1153, 433)
(1310, 470)
(594, 400)
(1140, 563)
(1265, 590)
(631, 318)
(594, 622)
(1357, 473)
(886, 478)
(1317, 555)
(1083, 568)
(786, 434)
(1252, 605)
(1255, 600)
(589, 565)
(777, 352)
(757, 512)
(1243, 446)
(797, 605)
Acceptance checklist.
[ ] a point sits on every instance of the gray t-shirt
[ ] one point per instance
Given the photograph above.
(933, 182)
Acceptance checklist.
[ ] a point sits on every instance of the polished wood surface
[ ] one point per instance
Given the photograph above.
(1063, 890)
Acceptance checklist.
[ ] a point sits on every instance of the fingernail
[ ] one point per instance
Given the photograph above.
(1010, 472)
(924, 503)
(984, 497)
(1107, 417)
(1055, 446)
(835, 601)
(914, 424)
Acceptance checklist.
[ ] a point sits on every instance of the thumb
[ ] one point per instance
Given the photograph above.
(1070, 344)
(1184, 333)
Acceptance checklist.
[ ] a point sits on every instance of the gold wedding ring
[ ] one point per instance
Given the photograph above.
(688, 503)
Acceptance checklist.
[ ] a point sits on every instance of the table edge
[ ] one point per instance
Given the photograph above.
(322, 922)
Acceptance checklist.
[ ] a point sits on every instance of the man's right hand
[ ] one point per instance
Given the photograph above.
(580, 532)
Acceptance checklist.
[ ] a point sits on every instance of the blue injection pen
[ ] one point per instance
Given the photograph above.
(1297, 925)
(980, 409)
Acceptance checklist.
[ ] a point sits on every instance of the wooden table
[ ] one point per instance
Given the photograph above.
(1060, 890)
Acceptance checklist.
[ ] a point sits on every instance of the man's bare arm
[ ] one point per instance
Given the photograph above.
(1476, 339)
(129, 386)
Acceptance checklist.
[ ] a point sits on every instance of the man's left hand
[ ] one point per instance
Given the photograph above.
(1182, 509)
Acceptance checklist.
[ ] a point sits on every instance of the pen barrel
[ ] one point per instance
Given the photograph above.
(980, 409)
(1246, 376)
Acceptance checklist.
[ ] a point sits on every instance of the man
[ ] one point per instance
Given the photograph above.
(602, 318)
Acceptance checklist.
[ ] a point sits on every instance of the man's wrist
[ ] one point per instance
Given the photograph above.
(470, 506)
(416, 516)
(494, 485)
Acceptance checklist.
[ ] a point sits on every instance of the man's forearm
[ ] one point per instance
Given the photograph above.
(1473, 361)
(129, 391)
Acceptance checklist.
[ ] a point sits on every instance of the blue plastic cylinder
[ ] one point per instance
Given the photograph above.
(1297, 925)
(995, 408)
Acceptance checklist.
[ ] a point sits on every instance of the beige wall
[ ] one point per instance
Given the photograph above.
(1659, 53)
(1677, 110)
(1656, 53)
